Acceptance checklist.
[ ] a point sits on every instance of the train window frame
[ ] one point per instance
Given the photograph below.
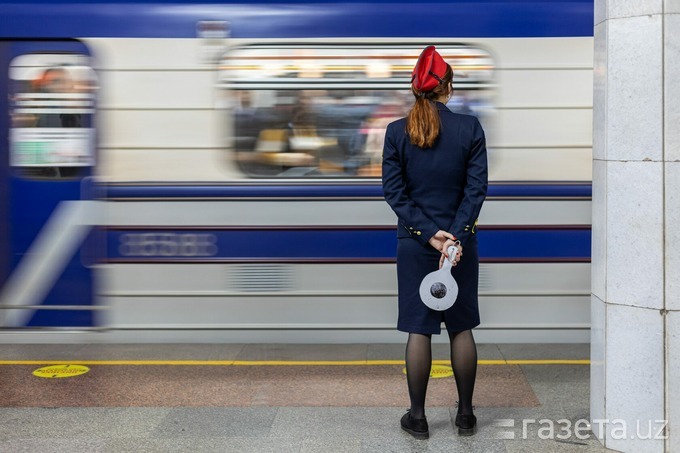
(380, 69)
(64, 150)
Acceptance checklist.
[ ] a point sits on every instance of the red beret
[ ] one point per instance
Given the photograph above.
(429, 70)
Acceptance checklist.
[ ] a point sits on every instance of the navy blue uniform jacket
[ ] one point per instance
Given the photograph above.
(438, 188)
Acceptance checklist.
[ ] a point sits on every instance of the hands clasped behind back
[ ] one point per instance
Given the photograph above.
(441, 241)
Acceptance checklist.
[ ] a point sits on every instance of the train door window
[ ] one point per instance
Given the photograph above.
(52, 104)
(321, 111)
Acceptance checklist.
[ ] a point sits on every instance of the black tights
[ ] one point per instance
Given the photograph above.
(419, 361)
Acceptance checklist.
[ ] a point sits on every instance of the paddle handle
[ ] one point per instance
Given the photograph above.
(452, 251)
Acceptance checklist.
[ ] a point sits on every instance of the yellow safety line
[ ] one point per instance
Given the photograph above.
(548, 362)
(277, 362)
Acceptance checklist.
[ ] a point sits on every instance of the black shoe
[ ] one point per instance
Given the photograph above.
(417, 427)
(467, 424)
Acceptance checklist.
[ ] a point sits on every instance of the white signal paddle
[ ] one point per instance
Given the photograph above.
(439, 289)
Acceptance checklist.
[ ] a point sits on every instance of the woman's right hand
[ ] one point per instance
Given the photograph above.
(441, 241)
(455, 259)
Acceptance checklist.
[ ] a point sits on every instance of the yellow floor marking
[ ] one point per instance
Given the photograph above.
(278, 362)
(438, 371)
(60, 371)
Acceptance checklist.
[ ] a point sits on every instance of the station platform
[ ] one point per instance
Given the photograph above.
(284, 398)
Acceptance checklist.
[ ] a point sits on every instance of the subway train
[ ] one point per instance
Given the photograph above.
(210, 172)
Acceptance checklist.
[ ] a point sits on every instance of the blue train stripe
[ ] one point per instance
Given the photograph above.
(279, 19)
(328, 245)
(581, 190)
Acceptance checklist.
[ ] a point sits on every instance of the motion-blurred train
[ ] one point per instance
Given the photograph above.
(178, 171)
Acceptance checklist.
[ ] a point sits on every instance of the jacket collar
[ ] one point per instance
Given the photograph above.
(441, 106)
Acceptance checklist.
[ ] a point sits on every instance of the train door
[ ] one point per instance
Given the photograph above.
(47, 158)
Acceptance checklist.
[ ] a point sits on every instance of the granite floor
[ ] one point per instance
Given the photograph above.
(282, 398)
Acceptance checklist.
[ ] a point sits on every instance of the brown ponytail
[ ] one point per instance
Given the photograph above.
(423, 123)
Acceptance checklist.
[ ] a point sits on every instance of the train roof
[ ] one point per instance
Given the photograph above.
(289, 20)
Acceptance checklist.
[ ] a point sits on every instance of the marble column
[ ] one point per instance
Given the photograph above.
(635, 301)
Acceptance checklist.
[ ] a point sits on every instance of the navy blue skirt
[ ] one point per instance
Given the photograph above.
(415, 261)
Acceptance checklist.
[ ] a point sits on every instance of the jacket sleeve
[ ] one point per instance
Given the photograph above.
(474, 193)
(394, 187)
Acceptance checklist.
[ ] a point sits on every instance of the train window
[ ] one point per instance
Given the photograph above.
(52, 103)
(301, 111)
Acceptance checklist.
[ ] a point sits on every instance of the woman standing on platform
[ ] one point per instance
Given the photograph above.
(435, 180)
